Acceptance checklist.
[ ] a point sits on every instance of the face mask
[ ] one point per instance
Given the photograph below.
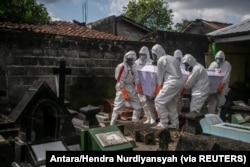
(154, 56)
(143, 57)
(218, 61)
(130, 61)
(188, 67)
(178, 59)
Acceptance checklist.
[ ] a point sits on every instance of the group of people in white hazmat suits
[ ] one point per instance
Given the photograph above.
(170, 85)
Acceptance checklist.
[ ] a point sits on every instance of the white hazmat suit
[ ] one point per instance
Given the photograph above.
(169, 83)
(197, 81)
(127, 79)
(157, 51)
(179, 56)
(146, 101)
(223, 67)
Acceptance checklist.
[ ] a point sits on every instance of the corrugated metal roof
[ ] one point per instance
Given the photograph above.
(60, 28)
(213, 24)
(240, 28)
(216, 25)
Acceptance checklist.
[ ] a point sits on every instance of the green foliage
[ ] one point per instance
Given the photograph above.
(154, 14)
(23, 11)
(180, 26)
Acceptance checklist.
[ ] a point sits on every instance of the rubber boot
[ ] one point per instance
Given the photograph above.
(114, 118)
(136, 116)
(148, 118)
(152, 120)
(152, 117)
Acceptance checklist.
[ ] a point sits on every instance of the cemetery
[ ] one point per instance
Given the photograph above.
(41, 72)
(41, 121)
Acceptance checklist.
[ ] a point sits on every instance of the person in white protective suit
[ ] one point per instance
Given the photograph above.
(169, 83)
(197, 81)
(127, 81)
(179, 56)
(222, 67)
(146, 101)
(157, 51)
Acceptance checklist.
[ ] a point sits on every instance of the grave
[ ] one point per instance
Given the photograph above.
(108, 138)
(192, 120)
(212, 134)
(42, 120)
(90, 113)
(238, 119)
(213, 125)
(41, 115)
(8, 130)
(6, 152)
(238, 107)
(35, 153)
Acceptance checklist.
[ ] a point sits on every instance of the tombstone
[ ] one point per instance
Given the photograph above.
(238, 119)
(192, 122)
(8, 128)
(108, 138)
(6, 152)
(215, 135)
(164, 139)
(212, 124)
(41, 115)
(90, 113)
(239, 107)
(36, 152)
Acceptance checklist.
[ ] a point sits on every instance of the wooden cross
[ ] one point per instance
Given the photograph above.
(62, 71)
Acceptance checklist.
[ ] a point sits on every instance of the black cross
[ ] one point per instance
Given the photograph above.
(62, 71)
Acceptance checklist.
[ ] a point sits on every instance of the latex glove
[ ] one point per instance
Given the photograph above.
(124, 93)
(220, 87)
(157, 89)
(139, 88)
(183, 90)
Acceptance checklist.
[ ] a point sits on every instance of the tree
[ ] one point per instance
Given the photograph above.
(180, 26)
(23, 11)
(154, 14)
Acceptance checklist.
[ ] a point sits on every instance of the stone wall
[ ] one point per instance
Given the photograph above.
(26, 57)
(196, 45)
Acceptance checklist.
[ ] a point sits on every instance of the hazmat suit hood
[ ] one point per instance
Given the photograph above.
(158, 51)
(178, 55)
(220, 58)
(129, 58)
(189, 59)
(189, 62)
(220, 54)
(144, 50)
